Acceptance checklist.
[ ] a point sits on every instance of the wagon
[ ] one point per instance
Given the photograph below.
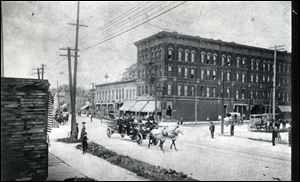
(137, 131)
(259, 122)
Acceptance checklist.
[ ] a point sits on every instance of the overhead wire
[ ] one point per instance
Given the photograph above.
(131, 28)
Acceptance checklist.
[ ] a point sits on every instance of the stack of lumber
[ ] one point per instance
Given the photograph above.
(24, 148)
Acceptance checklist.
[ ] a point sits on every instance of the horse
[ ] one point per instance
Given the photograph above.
(163, 134)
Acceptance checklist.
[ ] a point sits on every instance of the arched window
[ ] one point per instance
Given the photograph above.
(252, 64)
(193, 56)
(170, 54)
(192, 90)
(186, 55)
(238, 59)
(208, 57)
(202, 57)
(215, 58)
(257, 64)
(179, 55)
(228, 60)
(223, 60)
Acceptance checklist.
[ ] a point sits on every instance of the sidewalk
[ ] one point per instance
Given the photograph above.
(87, 164)
(58, 170)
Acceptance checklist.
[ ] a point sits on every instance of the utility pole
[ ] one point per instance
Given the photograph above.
(38, 73)
(196, 101)
(2, 44)
(276, 48)
(43, 70)
(73, 113)
(223, 95)
(73, 129)
(58, 96)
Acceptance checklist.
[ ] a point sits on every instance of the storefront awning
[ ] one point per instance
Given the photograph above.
(84, 107)
(150, 107)
(138, 106)
(64, 105)
(127, 106)
(285, 108)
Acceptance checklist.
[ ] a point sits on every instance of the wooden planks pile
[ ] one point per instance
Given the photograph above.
(24, 148)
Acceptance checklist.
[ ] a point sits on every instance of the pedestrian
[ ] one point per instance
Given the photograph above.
(83, 130)
(84, 143)
(232, 129)
(274, 135)
(212, 129)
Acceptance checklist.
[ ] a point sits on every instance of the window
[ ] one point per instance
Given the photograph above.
(257, 64)
(208, 58)
(213, 92)
(215, 59)
(251, 78)
(185, 72)
(202, 91)
(192, 73)
(269, 65)
(244, 62)
(223, 60)
(122, 93)
(237, 94)
(113, 95)
(243, 77)
(169, 89)
(264, 66)
(179, 55)
(186, 55)
(202, 57)
(193, 56)
(256, 94)
(214, 74)
(238, 59)
(192, 91)
(251, 94)
(170, 54)
(264, 79)
(228, 92)
(179, 90)
(208, 74)
(126, 94)
(237, 77)
(279, 68)
(252, 64)
(222, 75)
(207, 92)
(170, 70)
(243, 94)
(228, 76)
(228, 60)
(268, 78)
(185, 90)
(202, 74)
(179, 71)
(133, 93)
(256, 78)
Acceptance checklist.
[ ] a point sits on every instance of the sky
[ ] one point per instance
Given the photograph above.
(34, 32)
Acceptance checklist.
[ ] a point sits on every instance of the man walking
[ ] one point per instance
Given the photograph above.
(84, 143)
(274, 135)
(83, 130)
(212, 129)
(77, 131)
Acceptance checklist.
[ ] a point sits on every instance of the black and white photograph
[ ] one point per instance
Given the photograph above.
(148, 91)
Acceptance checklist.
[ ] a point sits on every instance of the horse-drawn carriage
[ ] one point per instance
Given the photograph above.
(137, 131)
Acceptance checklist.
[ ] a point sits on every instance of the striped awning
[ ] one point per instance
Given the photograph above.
(150, 107)
(138, 106)
(127, 106)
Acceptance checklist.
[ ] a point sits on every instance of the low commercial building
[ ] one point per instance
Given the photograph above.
(110, 97)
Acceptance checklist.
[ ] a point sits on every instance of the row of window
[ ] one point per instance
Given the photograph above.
(145, 56)
(146, 74)
(115, 94)
(210, 58)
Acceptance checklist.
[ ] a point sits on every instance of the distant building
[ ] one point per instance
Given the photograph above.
(183, 67)
(110, 97)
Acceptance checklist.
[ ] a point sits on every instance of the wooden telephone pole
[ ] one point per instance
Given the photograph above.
(73, 123)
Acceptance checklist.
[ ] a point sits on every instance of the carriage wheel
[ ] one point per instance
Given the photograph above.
(250, 127)
(109, 132)
(139, 138)
(122, 135)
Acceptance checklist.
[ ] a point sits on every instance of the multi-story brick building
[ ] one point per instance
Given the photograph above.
(109, 97)
(187, 67)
